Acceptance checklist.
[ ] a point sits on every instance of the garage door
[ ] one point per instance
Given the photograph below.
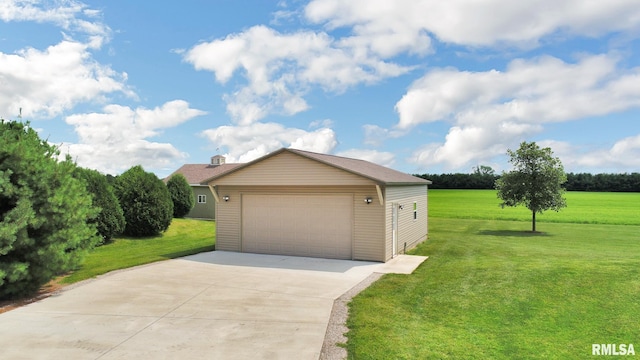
(300, 225)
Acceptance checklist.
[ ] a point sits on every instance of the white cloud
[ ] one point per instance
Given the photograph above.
(321, 123)
(46, 83)
(494, 110)
(464, 146)
(627, 148)
(69, 15)
(116, 139)
(375, 135)
(489, 111)
(621, 156)
(383, 158)
(391, 27)
(248, 142)
(624, 154)
(284, 15)
(280, 68)
(383, 28)
(539, 90)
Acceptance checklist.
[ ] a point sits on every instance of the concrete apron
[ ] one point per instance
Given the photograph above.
(215, 305)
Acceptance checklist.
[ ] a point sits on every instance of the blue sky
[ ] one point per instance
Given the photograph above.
(420, 86)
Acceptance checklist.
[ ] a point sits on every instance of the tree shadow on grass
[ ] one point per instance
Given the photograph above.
(515, 233)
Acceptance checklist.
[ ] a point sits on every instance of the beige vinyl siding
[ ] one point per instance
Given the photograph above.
(289, 169)
(228, 220)
(368, 219)
(206, 210)
(369, 226)
(410, 231)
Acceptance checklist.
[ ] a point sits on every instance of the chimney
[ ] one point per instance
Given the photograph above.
(217, 160)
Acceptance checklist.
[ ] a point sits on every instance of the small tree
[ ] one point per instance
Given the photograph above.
(536, 182)
(145, 201)
(483, 170)
(483, 177)
(181, 195)
(110, 220)
(45, 212)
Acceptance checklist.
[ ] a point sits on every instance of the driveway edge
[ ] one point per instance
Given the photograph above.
(337, 328)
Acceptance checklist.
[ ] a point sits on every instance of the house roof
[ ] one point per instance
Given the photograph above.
(196, 174)
(375, 172)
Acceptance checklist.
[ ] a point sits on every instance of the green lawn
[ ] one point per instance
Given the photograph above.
(184, 237)
(491, 290)
(583, 207)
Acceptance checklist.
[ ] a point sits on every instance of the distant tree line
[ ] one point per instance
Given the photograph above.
(482, 177)
(603, 182)
(486, 179)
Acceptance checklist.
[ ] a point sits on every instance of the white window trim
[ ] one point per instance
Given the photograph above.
(202, 199)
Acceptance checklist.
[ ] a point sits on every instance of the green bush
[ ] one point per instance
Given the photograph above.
(110, 220)
(181, 195)
(44, 212)
(146, 202)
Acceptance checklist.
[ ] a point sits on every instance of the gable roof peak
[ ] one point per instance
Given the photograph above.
(377, 173)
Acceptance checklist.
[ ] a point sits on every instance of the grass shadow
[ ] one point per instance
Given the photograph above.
(513, 233)
(139, 238)
(188, 252)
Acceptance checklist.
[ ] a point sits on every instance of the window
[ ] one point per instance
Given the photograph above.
(415, 210)
(202, 199)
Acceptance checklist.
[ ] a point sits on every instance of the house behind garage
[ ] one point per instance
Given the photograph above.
(205, 206)
(294, 202)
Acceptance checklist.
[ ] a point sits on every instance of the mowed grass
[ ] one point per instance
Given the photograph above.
(492, 290)
(582, 207)
(184, 237)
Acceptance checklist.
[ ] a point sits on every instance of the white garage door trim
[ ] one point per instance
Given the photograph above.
(315, 225)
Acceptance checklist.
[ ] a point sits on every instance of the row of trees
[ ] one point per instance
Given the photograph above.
(482, 177)
(575, 182)
(136, 203)
(52, 212)
(603, 182)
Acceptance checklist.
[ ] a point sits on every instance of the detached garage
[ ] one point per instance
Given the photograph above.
(294, 202)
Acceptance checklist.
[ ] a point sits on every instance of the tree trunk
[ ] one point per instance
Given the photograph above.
(533, 221)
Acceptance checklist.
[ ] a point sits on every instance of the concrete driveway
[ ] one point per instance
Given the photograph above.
(216, 305)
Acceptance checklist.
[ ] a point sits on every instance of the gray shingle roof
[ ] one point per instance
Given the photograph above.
(197, 173)
(375, 172)
(364, 168)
